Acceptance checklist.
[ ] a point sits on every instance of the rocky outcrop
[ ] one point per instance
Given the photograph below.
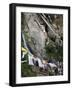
(40, 30)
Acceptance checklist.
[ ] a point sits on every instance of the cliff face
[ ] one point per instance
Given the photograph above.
(41, 32)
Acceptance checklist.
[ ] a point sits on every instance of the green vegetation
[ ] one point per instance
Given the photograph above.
(26, 70)
(54, 51)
